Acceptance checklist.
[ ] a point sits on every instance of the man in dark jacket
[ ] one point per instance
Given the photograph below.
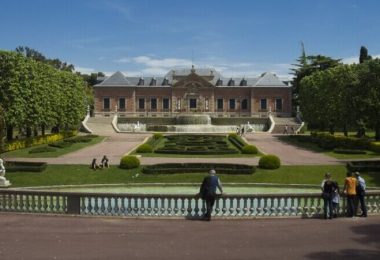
(208, 192)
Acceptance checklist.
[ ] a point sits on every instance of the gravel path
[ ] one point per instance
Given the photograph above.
(26, 236)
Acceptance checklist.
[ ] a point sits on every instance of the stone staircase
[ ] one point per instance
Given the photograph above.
(281, 122)
(101, 126)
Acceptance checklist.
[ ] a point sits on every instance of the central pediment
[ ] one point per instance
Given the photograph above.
(193, 81)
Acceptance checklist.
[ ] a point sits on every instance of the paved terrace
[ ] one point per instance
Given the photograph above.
(26, 236)
(116, 145)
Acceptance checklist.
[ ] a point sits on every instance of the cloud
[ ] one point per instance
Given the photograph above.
(120, 8)
(355, 59)
(84, 70)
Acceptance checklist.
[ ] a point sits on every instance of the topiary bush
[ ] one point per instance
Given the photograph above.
(269, 161)
(157, 136)
(249, 149)
(42, 149)
(129, 162)
(145, 148)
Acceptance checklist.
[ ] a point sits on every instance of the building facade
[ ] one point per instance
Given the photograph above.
(192, 91)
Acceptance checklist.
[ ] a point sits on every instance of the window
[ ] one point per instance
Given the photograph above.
(263, 104)
(106, 103)
(219, 103)
(244, 104)
(141, 103)
(206, 103)
(165, 103)
(232, 103)
(193, 103)
(153, 103)
(121, 103)
(278, 104)
(179, 104)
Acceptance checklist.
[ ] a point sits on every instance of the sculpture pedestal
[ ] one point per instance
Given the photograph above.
(4, 182)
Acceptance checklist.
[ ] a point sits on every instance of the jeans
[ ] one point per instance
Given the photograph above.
(363, 207)
(328, 207)
(350, 205)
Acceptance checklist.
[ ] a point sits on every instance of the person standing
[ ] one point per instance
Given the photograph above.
(350, 190)
(328, 188)
(105, 162)
(285, 130)
(360, 193)
(208, 192)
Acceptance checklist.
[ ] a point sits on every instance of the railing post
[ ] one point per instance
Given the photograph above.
(73, 204)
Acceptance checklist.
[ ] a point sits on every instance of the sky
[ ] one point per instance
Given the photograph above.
(150, 37)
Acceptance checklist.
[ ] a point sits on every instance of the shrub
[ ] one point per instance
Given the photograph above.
(145, 148)
(269, 161)
(157, 128)
(375, 147)
(221, 168)
(249, 149)
(42, 149)
(349, 151)
(157, 136)
(60, 144)
(237, 141)
(13, 166)
(129, 162)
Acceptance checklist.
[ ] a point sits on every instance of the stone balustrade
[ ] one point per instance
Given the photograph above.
(171, 205)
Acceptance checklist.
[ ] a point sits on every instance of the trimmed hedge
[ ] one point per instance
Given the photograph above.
(269, 161)
(237, 141)
(145, 148)
(42, 149)
(349, 151)
(157, 136)
(249, 149)
(60, 144)
(129, 162)
(220, 168)
(364, 166)
(33, 141)
(12, 166)
(157, 128)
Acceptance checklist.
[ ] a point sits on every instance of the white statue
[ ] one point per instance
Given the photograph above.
(249, 128)
(3, 182)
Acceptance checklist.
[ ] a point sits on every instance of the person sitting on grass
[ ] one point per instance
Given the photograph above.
(94, 164)
(105, 162)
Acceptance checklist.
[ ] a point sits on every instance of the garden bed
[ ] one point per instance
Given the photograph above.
(220, 168)
(14, 166)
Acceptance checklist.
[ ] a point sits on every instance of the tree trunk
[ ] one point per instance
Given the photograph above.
(377, 131)
(331, 129)
(345, 130)
(35, 131)
(9, 133)
(43, 130)
(28, 132)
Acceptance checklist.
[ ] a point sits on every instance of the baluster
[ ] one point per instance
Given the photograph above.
(238, 208)
(196, 207)
(176, 208)
(109, 206)
(44, 203)
(245, 207)
(129, 206)
(155, 206)
(231, 207)
(136, 206)
(21, 204)
(189, 207)
(272, 209)
(169, 206)
(183, 208)
(217, 206)
(96, 206)
(83, 205)
(149, 207)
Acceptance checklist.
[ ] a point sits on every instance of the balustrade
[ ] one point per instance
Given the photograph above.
(171, 205)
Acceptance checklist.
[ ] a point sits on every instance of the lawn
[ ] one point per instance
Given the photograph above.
(315, 148)
(24, 153)
(82, 174)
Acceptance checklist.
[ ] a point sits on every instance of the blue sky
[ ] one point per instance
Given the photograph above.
(149, 37)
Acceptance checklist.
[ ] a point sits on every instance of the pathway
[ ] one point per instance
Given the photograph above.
(25, 236)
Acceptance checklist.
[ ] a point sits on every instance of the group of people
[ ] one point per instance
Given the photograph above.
(240, 130)
(286, 130)
(104, 163)
(354, 190)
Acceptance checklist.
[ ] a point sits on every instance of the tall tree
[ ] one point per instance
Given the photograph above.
(364, 55)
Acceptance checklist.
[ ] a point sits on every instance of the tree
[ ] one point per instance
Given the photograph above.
(364, 55)
(2, 128)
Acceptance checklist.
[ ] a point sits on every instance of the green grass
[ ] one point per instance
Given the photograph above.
(315, 148)
(82, 174)
(24, 153)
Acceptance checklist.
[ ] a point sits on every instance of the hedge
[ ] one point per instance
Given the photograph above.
(249, 149)
(222, 168)
(42, 149)
(375, 147)
(269, 161)
(13, 166)
(33, 141)
(237, 141)
(129, 162)
(364, 166)
(144, 148)
(349, 151)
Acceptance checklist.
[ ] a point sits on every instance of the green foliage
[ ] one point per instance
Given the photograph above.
(237, 141)
(129, 162)
(157, 136)
(37, 94)
(60, 144)
(221, 168)
(249, 149)
(2, 129)
(349, 151)
(25, 166)
(155, 128)
(375, 147)
(269, 161)
(42, 149)
(145, 148)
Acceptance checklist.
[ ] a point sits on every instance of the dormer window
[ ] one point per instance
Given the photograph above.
(231, 82)
(153, 82)
(165, 82)
(219, 82)
(243, 82)
(141, 82)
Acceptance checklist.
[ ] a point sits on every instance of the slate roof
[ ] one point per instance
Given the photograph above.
(267, 79)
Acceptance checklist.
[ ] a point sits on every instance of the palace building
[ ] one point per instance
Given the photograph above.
(200, 91)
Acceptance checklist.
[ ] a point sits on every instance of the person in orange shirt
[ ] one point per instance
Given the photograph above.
(350, 190)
